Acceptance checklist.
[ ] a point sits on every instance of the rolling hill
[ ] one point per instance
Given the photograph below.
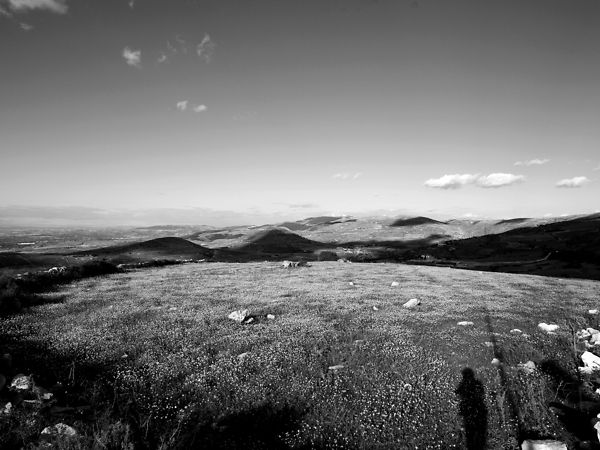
(278, 241)
(412, 221)
(160, 248)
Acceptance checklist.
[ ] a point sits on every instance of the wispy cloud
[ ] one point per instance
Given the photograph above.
(182, 105)
(56, 6)
(199, 108)
(532, 162)
(347, 176)
(455, 181)
(162, 58)
(496, 180)
(574, 182)
(451, 181)
(132, 57)
(206, 48)
(596, 168)
(25, 26)
(131, 4)
(4, 12)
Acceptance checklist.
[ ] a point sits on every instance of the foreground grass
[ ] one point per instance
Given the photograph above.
(156, 356)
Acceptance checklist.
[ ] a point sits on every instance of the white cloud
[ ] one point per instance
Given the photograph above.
(206, 48)
(453, 181)
(574, 182)
(57, 6)
(4, 12)
(25, 26)
(162, 58)
(182, 105)
(199, 108)
(346, 175)
(532, 162)
(132, 57)
(131, 4)
(496, 180)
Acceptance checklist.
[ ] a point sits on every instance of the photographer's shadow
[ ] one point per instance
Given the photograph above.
(473, 410)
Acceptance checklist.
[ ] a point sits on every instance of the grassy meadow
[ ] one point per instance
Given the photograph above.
(152, 361)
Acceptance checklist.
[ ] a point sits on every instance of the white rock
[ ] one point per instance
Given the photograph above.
(531, 444)
(528, 367)
(595, 339)
(591, 361)
(270, 316)
(412, 303)
(548, 327)
(249, 320)
(395, 283)
(351, 283)
(495, 362)
(22, 383)
(585, 370)
(7, 409)
(375, 308)
(336, 367)
(516, 331)
(488, 344)
(592, 331)
(597, 391)
(243, 355)
(238, 315)
(583, 334)
(465, 323)
(60, 429)
(593, 311)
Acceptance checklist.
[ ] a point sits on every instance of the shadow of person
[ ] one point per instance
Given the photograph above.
(472, 409)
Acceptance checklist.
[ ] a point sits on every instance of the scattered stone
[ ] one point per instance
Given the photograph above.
(395, 283)
(591, 361)
(7, 409)
(547, 327)
(595, 339)
(289, 264)
(124, 356)
(239, 315)
(593, 311)
(465, 323)
(585, 370)
(532, 444)
(271, 316)
(351, 283)
(408, 386)
(592, 331)
(375, 308)
(597, 391)
(412, 303)
(528, 367)
(516, 331)
(59, 430)
(22, 383)
(248, 320)
(243, 355)
(359, 341)
(336, 367)
(495, 362)
(583, 335)
(488, 344)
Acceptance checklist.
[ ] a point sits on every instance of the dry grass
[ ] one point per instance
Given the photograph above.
(174, 375)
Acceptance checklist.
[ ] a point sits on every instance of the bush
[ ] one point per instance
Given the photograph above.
(328, 255)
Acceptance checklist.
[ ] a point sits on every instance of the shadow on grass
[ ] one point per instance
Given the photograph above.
(576, 408)
(262, 427)
(473, 410)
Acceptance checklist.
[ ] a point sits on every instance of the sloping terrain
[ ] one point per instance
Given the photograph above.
(566, 248)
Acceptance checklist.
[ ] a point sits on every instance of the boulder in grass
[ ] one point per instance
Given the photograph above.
(516, 331)
(548, 327)
(465, 323)
(548, 444)
(238, 315)
(59, 430)
(591, 361)
(527, 368)
(412, 303)
(22, 383)
(593, 311)
(395, 283)
(271, 316)
(336, 367)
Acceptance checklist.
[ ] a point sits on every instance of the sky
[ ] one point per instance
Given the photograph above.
(259, 110)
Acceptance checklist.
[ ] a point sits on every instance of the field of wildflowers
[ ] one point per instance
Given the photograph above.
(341, 366)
